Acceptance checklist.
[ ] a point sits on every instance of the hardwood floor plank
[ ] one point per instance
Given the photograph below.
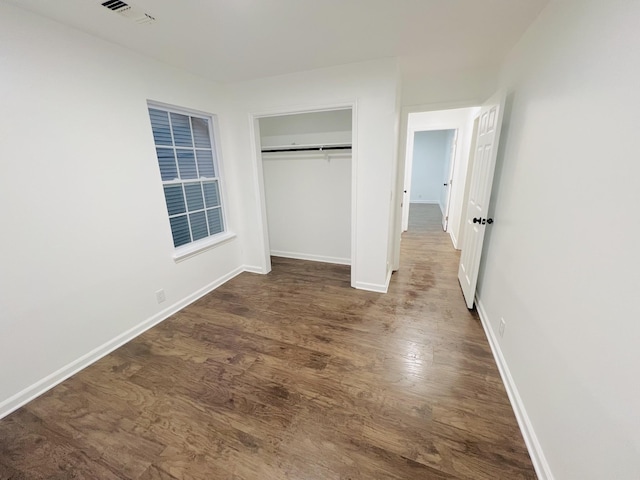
(8, 473)
(156, 473)
(31, 447)
(291, 375)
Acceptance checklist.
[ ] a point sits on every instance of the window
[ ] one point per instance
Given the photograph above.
(186, 151)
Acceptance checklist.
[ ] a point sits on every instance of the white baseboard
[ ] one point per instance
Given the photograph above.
(425, 202)
(388, 280)
(253, 269)
(372, 287)
(530, 439)
(454, 240)
(25, 396)
(375, 287)
(311, 257)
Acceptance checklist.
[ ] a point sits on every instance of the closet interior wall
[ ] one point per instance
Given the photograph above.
(306, 164)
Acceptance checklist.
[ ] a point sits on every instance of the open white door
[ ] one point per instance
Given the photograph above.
(408, 170)
(476, 220)
(446, 193)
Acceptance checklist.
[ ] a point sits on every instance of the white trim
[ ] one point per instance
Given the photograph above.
(524, 422)
(194, 248)
(437, 106)
(178, 109)
(354, 191)
(372, 287)
(408, 158)
(426, 202)
(259, 193)
(254, 127)
(311, 257)
(453, 156)
(405, 157)
(302, 108)
(219, 162)
(254, 269)
(454, 240)
(407, 161)
(41, 386)
(295, 156)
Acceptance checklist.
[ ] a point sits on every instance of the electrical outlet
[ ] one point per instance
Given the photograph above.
(501, 328)
(160, 296)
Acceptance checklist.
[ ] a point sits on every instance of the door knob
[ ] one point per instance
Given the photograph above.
(477, 220)
(446, 184)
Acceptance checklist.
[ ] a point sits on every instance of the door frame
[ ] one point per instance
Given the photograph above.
(449, 179)
(259, 190)
(409, 166)
(402, 163)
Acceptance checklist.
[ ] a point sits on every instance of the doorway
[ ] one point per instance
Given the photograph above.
(461, 121)
(430, 172)
(415, 119)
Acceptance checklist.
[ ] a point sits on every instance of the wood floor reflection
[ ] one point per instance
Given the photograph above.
(292, 375)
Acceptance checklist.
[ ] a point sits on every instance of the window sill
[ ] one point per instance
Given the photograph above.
(188, 251)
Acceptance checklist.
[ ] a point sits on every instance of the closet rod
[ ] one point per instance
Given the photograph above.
(304, 149)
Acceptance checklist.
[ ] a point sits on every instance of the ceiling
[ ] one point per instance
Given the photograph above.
(234, 40)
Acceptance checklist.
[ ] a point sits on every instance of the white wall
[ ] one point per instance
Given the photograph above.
(308, 199)
(423, 86)
(85, 227)
(371, 88)
(430, 151)
(85, 234)
(561, 260)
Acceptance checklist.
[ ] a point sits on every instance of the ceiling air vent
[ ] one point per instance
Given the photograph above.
(126, 10)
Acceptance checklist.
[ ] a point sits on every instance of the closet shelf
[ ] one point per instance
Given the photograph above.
(306, 148)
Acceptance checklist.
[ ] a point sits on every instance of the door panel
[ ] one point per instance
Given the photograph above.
(479, 194)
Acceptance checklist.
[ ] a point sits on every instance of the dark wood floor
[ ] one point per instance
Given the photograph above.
(293, 375)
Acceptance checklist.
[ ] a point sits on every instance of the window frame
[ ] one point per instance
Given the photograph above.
(194, 246)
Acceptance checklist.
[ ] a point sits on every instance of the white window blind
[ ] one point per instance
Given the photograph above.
(185, 147)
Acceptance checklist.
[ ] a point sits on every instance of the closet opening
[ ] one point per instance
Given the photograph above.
(306, 176)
